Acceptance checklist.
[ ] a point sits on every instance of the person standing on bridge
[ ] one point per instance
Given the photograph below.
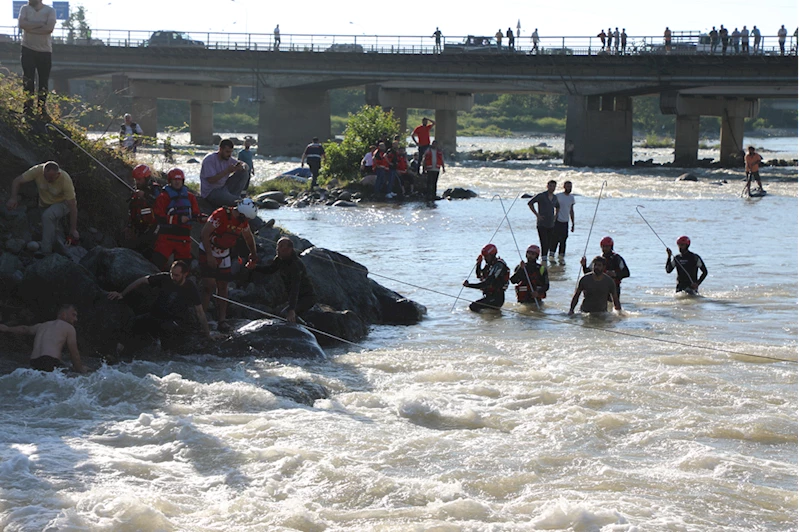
(498, 37)
(714, 40)
(437, 35)
(736, 41)
(511, 39)
(782, 34)
(616, 41)
(314, 153)
(745, 41)
(534, 37)
(756, 38)
(623, 41)
(602, 36)
(610, 39)
(277, 38)
(724, 35)
(667, 39)
(37, 22)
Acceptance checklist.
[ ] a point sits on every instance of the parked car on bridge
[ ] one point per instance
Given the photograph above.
(172, 38)
(346, 47)
(472, 44)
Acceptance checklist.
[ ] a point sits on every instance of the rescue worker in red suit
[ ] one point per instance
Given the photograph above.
(615, 267)
(493, 279)
(174, 209)
(220, 233)
(433, 163)
(140, 233)
(531, 278)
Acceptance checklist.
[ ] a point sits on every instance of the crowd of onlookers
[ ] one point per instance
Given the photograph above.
(738, 40)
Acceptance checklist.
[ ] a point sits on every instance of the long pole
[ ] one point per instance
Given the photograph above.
(591, 228)
(489, 241)
(664, 244)
(527, 275)
(54, 128)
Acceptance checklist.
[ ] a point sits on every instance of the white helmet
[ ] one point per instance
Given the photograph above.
(247, 208)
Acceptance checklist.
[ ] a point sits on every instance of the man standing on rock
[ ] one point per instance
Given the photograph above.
(545, 218)
(130, 134)
(246, 156)
(223, 179)
(49, 339)
(314, 153)
(433, 162)
(421, 135)
(37, 22)
(168, 317)
(301, 295)
(174, 209)
(221, 233)
(56, 199)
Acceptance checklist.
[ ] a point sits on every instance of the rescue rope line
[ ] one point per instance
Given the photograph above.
(51, 126)
(591, 228)
(673, 260)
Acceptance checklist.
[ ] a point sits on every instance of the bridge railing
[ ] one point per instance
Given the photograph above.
(683, 42)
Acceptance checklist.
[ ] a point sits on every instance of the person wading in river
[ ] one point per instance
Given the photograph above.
(534, 283)
(615, 267)
(493, 277)
(597, 288)
(688, 265)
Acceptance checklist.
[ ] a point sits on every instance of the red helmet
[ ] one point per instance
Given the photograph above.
(141, 172)
(175, 173)
(534, 249)
(683, 240)
(489, 250)
(607, 241)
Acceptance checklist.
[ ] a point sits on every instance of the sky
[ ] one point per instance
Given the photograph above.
(465, 17)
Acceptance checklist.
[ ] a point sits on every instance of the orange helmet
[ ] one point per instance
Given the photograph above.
(175, 173)
(141, 172)
(489, 250)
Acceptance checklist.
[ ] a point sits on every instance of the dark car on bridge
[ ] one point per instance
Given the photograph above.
(172, 38)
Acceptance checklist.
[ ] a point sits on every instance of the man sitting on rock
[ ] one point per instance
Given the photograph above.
(169, 316)
(220, 234)
(56, 199)
(301, 296)
(223, 179)
(49, 339)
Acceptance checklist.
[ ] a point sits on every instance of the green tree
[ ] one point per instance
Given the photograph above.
(77, 23)
(343, 160)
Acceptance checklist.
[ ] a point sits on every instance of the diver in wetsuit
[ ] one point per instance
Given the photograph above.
(688, 265)
(493, 280)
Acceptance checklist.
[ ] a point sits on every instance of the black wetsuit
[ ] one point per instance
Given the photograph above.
(301, 295)
(493, 283)
(688, 262)
(539, 277)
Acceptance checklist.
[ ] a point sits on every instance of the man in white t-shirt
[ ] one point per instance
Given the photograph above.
(130, 134)
(563, 214)
(37, 22)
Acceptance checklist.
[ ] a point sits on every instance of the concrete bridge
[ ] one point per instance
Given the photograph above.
(294, 103)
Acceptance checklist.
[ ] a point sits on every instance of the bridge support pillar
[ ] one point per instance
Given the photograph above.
(600, 128)
(201, 124)
(401, 114)
(686, 141)
(145, 113)
(446, 130)
(290, 118)
(732, 138)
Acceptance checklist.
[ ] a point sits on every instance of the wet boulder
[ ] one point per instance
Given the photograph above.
(275, 195)
(116, 268)
(269, 338)
(339, 323)
(687, 177)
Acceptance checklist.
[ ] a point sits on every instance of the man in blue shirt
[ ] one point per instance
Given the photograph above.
(246, 156)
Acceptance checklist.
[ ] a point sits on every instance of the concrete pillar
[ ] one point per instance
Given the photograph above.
(686, 141)
(201, 125)
(446, 130)
(145, 113)
(732, 137)
(401, 114)
(601, 130)
(290, 118)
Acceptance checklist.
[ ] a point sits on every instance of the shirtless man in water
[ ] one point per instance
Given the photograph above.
(49, 339)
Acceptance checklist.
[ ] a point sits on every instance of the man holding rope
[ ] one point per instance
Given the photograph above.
(688, 265)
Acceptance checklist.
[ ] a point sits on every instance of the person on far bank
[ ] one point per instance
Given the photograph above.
(421, 135)
(175, 209)
(223, 179)
(531, 278)
(314, 153)
(545, 218)
(130, 134)
(367, 162)
(380, 165)
(494, 277)
(613, 263)
(597, 289)
(752, 162)
(220, 234)
(688, 265)
(433, 163)
(56, 200)
(37, 22)
(245, 155)
(49, 339)
(298, 285)
(563, 214)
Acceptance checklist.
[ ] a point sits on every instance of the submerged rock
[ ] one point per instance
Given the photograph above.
(687, 177)
(458, 193)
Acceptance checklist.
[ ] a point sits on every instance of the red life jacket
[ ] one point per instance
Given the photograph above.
(230, 228)
(428, 159)
(379, 160)
(141, 213)
(526, 293)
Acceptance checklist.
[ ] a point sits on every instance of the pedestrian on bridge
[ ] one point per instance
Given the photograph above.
(724, 35)
(511, 39)
(745, 41)
(667, 39)
(277, 38)
(714, 40)
(437, 35)
(498, 37)
(610, 39)
(623, 41)
(37, 22)
(782, 34)
(616, 41)
(534, 37)
(756, 38)
(736, 40)
(602, 37)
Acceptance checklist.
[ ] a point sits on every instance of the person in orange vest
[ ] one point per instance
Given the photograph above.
(174, 209)
(140, 233)
(220, 233)
(752, 161)
(380, 165)
(433, 165)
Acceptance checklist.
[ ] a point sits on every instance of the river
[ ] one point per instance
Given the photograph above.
(655, 419)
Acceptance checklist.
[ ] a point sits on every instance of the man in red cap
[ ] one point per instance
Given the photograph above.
(688, 265)
(493, 280)
(615, 267)
(531, 278)
(174, 209)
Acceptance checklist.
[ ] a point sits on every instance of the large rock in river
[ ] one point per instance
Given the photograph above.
(269, 338)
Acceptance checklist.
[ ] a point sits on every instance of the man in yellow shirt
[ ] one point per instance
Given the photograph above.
(56, 198)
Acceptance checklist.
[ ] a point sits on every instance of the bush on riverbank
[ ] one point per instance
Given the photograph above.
(533, 153)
